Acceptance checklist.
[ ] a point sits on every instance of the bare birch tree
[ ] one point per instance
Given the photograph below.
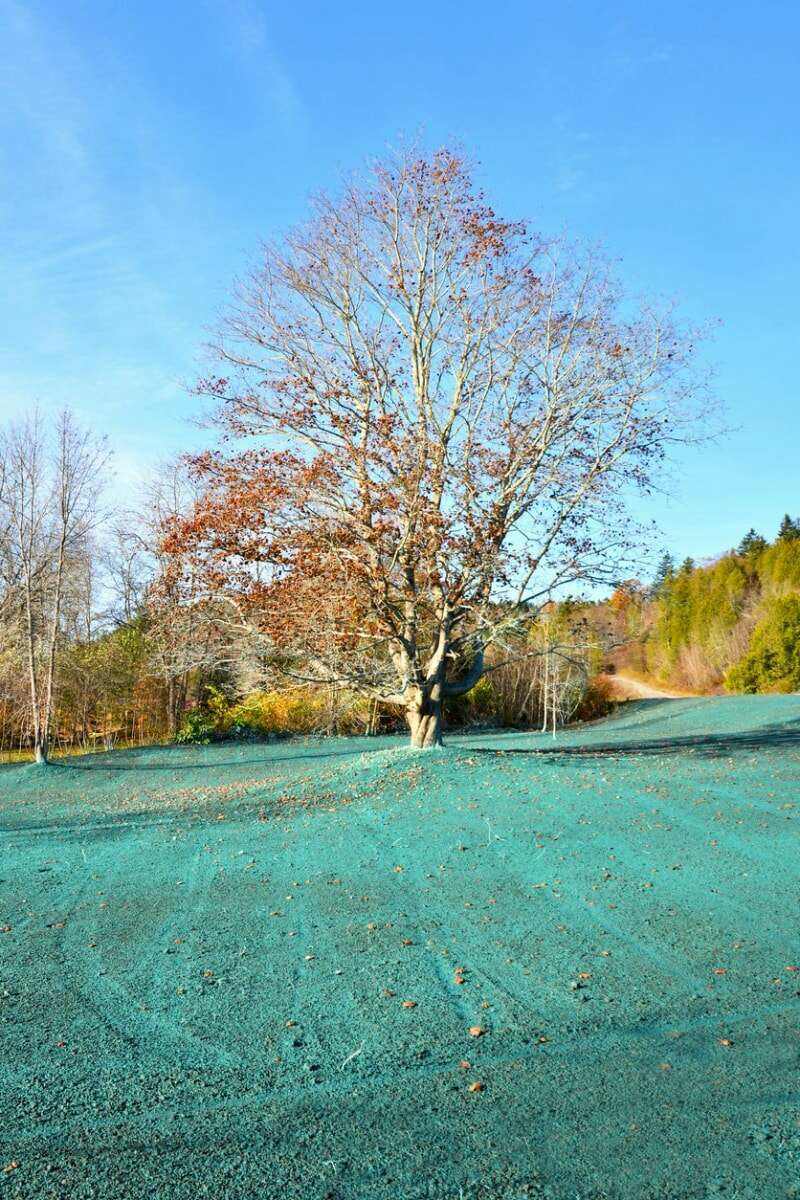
(51, 481)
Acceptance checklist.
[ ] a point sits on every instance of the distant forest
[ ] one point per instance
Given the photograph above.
(731, 624)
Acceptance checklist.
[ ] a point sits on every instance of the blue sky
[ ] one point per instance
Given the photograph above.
(145, 149)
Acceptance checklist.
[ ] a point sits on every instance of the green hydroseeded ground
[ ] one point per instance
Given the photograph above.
(204, 954)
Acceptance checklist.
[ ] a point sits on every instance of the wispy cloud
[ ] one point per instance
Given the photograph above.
(631, 51)
(88, 319)
(248, 36)
(112, 241)
(571, 151)
(67, 254)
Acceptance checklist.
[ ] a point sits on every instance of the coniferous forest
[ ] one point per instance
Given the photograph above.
(732, 623)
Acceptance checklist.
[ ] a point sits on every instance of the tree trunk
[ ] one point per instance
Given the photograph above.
(425, 721)
(51, 656)
(424, 700)
(172, 717)
(40, 749)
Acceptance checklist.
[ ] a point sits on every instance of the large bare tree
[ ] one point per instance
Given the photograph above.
(431, 419)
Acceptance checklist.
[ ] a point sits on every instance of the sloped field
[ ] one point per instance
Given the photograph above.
(252, 971)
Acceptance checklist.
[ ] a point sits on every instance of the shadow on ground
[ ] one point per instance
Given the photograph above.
(785, 736)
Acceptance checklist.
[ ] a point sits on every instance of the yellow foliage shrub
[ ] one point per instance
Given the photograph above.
(293, 711)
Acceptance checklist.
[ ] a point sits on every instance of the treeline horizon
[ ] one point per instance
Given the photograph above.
(136, 666)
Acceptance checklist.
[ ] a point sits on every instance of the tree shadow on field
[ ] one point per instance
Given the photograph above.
(679, 708)
(783, 736)
(184, 764)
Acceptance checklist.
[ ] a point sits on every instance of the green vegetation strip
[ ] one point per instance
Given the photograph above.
(520, 966)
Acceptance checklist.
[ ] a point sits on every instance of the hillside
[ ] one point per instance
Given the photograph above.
(731, 623)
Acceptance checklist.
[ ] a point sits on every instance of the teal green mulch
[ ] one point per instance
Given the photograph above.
(209, 956)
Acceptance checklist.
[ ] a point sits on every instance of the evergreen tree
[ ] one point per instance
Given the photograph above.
(752, 543)
(772, 663)
(664, 573)
(789, 529)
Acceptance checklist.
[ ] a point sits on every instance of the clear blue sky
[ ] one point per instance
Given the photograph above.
(146, 148)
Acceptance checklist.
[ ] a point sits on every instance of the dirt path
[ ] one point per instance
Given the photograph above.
(623, 687)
